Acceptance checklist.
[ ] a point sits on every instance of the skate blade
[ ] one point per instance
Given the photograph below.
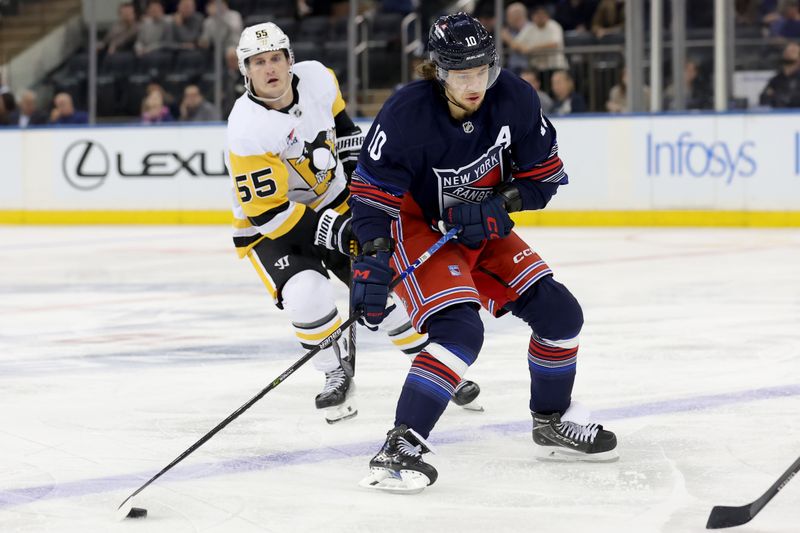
(340, 413)
(474, 406)
(565, 455)
(385, 480)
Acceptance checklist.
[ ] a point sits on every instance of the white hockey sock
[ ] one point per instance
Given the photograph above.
(398, 328)
(308, 298)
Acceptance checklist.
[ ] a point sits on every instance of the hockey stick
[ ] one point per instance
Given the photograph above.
(349, 363)
(722, 516)
(125, 507)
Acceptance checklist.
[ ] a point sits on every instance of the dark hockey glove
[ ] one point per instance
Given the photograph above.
(348, 148)
(372, 276)
(486, 220)
(334, 232)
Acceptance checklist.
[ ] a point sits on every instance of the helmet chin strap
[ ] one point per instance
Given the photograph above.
(248, 83)
(447, 97)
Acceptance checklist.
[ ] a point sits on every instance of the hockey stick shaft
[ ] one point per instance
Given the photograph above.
(722, 516)
(326, 342)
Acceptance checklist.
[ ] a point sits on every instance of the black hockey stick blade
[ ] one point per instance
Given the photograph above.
(722, 516)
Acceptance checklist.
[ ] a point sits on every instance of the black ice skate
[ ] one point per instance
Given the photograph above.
(570, 441)
(336, 397)
(466, 396)
(399, 467)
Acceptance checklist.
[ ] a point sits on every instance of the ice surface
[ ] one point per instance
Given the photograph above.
(121, 346)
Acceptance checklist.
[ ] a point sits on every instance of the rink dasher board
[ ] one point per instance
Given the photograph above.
(651, 170)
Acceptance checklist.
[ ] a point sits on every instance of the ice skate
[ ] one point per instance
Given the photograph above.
(554, 439)
(399, 467)
(466, 396)
(336, 397)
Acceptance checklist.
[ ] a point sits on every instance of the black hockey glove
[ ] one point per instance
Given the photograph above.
(372, 276)
(486, 220)
(348, 148)
(334, 232)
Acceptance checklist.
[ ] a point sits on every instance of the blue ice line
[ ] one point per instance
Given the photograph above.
(21, 496)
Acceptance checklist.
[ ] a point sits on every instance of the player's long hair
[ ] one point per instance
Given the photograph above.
(426, 70)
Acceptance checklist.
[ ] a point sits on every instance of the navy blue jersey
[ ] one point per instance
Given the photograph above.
(416, 148)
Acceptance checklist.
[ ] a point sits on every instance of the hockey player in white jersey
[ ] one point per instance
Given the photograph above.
(290, 149)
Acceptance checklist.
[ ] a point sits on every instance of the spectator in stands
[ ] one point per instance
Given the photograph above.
(532, 77)
(232, 82)
(769, 12)
(334, 9)
(303, 9)
(195, 108)
(403, 7)
(228, 26)
(618, 95)
(566, 100)
(787, 25)
(516, 21)
(608, 18)
(123, 33)
(170, 101)
(64, 111)
(698, 91)
(187, 25)
(155, 31)
(7, 107)
(27, 113)
(575, 15)
(543, 41)
(783, 90)
(746, 12)
(153, 109)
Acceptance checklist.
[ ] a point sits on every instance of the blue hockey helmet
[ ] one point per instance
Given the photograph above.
(459, 42)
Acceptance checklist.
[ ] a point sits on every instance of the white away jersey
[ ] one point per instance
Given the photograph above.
(283, 162)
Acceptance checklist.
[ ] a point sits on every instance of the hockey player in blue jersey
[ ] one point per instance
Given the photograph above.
(465, 147)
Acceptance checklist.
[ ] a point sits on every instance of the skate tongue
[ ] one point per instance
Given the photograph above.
(420, 441)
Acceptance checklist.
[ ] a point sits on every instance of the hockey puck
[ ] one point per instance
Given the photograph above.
(137, 512)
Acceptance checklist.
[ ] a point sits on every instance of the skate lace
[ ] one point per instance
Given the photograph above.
(333, 380)
(579, 432)
(406, 448)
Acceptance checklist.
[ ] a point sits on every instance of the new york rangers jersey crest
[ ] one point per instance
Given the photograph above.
(473, 182)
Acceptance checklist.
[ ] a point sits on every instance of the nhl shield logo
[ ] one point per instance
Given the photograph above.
(468, 127)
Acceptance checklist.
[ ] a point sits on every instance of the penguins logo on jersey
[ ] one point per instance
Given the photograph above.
(473, 182)
(317, 163)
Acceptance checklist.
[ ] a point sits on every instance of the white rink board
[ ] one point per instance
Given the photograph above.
(664, 162)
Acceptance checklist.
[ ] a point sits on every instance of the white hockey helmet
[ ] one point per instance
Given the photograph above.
(265, 37)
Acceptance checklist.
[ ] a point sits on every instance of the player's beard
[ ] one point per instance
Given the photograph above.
(463, 101)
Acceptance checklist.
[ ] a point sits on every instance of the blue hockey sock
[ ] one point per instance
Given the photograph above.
(426, 392)
(552, 371)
